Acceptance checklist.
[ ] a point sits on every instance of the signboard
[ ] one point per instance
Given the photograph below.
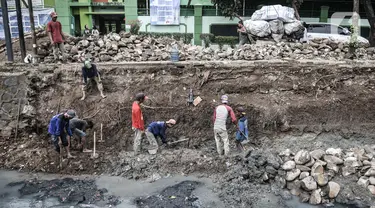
(41, 17)
(36, 3)
(165, 12)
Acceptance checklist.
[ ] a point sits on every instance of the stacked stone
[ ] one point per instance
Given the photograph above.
(127, 47)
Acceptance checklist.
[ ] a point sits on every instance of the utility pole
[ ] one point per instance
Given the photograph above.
(354, 36)
(32, 24)
(20, 29)
(8, 38)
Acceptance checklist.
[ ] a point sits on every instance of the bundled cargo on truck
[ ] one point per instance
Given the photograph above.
(275, 21)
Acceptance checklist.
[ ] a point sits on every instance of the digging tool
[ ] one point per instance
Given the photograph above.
(101, 133)
(178, 141)
(94, 155)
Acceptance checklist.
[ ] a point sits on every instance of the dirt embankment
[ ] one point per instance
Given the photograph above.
(281, 98)
(296, 105)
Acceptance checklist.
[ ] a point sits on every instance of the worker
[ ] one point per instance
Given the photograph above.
(60, 131)
(221, 114)
(86, 32)
(242, 133)
(157, 129)
(90, 71)
(138, 125)
(95, 32)
(56, 37)
(242, 33)
(78, 128)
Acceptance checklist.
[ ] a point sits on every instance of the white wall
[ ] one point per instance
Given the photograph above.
(189, 21)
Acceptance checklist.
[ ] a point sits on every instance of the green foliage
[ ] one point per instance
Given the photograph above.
(135, 25)
(208, 38)
(226, 40)
(177, 36)
(229, 8)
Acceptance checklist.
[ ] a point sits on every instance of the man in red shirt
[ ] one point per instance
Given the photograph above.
(56, 36)
(138, 124)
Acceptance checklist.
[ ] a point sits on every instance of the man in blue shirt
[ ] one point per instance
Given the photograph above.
(242, 133)
(157, 129)
(91, 72)
(59, 130)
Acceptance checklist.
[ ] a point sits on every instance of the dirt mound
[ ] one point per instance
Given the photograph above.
(179, 195)
(67, 191)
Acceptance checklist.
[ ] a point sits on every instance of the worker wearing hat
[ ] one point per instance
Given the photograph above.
(242, 133)
(221, 114)
(89, 71)
(59, 130)
(138, 125)
(157, 129)
(56, 36)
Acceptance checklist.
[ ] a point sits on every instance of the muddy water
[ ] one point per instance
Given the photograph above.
(127, 190)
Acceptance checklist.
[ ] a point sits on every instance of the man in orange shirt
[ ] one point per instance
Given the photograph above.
(138, 124)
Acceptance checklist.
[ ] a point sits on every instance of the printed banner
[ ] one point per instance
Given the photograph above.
(165, 12)
(41, 18)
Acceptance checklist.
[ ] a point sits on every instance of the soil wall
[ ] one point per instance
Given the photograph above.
(280, 97)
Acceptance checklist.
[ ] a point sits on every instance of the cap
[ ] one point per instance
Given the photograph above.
(241, 110)
(71, 113)
(171, 121)
(224, 99)
(140, 96)
(53, 14)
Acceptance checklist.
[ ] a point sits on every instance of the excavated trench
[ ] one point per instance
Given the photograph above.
(289, 104)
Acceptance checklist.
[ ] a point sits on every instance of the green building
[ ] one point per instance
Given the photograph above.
(198, 17)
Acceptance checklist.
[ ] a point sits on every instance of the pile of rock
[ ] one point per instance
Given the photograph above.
(127, 47)
(309, 175)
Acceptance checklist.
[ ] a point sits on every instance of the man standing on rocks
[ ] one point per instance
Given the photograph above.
(242, 133)
(90, 71)
(138, 125)
(242, 33)
(60, 131)
(78, 127)
(221, 114)
(157, 129)
(56, 36)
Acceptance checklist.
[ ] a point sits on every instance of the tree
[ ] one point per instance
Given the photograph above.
(354, 36)
(296, 4)
(228, 8)
(371, 19)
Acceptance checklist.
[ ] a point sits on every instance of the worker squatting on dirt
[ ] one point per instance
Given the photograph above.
(56, 37)
(60, 131)
(91, 72)
(221, 114)
(157, 129)
(138, 125)
(78, 128)
(242, 133)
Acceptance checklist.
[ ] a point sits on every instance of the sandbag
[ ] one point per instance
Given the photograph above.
(258, 28)
(293, 27)
(277, 37)
(276, 26)
(273, 12)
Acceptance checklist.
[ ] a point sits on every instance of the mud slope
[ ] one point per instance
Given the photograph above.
(281, 98)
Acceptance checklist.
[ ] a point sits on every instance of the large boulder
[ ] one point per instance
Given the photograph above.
(370, 172)
(335, 152)
(302, 157)
(333, 159)
(304, 175)
(293, 174)
(317, 154)
(315, 197)
(289, 165)
(334, 189)
(309, 183)
(321, 179)
(363, 181)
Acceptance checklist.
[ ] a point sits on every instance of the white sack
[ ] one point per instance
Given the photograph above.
(258, 28)
(277, 26)
(285, 14)
(293, 27)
